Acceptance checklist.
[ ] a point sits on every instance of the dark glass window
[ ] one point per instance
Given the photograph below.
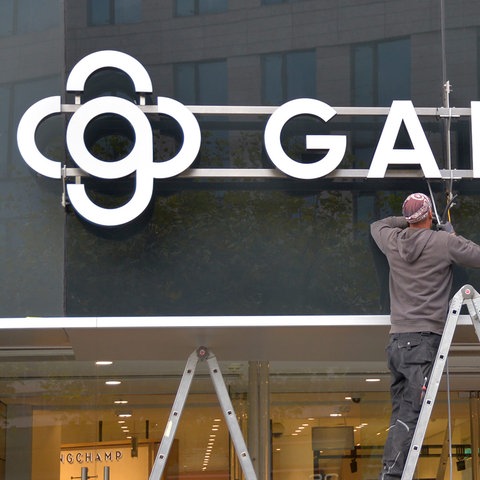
(286, 76)
(381, 72)
(273, 2)
(205, 83)
(202, 83)
(114, 12)
(6, 17)
(24, 16)
(185, 8)
(5, 127)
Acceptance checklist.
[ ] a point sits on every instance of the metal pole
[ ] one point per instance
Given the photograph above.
(253, 415)
(264, 414)
(474, 431)
(259, 418)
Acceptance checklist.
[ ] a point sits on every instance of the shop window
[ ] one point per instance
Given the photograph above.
(114, 12)
(185, 8)
(381, 72)
(286, 76)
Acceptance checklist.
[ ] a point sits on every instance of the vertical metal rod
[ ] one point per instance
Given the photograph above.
(106, 473)
(474, 432)
(264, 414)
(84, 474)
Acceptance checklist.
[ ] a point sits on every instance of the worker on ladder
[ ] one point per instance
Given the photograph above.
(420, 280)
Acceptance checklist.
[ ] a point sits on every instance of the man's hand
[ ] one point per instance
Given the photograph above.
(446, 227)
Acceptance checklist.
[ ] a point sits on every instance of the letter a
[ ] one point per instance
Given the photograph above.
(385, 154)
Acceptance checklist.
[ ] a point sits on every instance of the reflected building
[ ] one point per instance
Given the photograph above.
(277, 275)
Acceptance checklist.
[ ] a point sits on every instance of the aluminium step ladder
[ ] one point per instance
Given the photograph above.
(468, 296)
(201, 354)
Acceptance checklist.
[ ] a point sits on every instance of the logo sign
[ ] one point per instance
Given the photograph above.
(140, 160)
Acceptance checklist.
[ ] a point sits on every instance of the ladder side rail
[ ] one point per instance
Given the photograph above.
(230, 418)
(173, 419)
(433, 385)
(473, 304)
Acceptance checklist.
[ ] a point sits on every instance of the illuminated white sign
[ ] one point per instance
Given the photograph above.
(140, 160)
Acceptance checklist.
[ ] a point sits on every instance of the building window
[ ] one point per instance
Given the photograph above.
(274, 2)
(381, 72)
(114, 12)
(286, 76)
(24, 16)
(185, 8)
(203, 83)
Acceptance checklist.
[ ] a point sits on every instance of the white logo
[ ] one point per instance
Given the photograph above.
(139, 161)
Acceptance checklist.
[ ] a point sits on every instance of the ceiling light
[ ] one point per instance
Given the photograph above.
(120, 402)
(372, 379)
(124, 415)
(103, 362)
(113, 382)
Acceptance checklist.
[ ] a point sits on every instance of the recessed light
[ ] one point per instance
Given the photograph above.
(103, 362)
(113, 382)
(124, 415)
(120, 402)
(372, 379)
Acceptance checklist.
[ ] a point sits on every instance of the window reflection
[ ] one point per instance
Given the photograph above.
(289, 75)
(199, 7)
(25, 16)
(114, 12)
(381, 72)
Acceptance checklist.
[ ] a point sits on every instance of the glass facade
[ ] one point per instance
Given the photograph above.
(214, 247)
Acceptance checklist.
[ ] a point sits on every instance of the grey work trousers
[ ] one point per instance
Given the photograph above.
(410, 360)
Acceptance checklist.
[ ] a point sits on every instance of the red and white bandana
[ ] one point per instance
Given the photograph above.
(416, 207)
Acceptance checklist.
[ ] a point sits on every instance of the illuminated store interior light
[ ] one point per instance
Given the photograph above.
(103, 362)
(113, 382)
